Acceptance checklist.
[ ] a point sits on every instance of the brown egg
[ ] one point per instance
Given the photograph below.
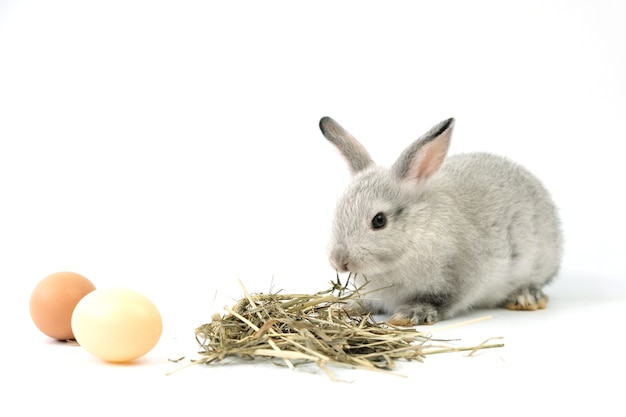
(53, 300)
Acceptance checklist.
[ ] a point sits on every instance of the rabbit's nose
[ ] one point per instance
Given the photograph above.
(339, 259)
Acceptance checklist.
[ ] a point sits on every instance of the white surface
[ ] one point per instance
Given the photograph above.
(173, 148)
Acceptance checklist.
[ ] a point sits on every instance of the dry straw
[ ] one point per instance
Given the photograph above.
(294, 329)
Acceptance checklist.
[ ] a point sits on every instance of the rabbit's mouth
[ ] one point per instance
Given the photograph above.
(345, 263)
(360, 260)
(341, 267)
(352, 266)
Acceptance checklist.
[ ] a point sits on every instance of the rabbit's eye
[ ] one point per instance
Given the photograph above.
(379, 221)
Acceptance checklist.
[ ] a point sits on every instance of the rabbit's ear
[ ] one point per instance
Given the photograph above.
(424, 156)
(356, 155)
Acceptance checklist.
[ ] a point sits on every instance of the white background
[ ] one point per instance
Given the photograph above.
(173, 148)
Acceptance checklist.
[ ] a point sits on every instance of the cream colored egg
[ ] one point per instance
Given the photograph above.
(116, 324)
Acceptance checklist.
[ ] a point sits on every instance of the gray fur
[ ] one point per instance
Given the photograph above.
(474, 231)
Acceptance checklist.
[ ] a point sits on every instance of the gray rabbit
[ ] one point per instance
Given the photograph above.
(433, 239)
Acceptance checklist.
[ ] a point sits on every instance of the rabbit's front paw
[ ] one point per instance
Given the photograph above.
(415, 314)
(526, 299)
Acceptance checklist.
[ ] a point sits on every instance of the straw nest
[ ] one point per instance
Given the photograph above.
(293, 329)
